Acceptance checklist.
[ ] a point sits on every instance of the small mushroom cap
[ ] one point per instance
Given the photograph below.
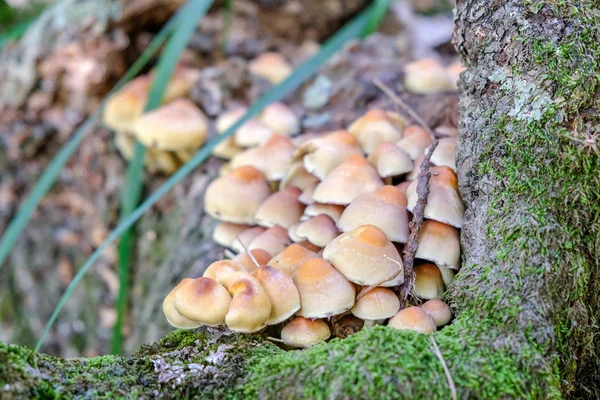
(261, 256)
(439, 311)
(390, 160)
(271, 66)
(182, 81)
(299, 177)
(222, 271)
(173, 317)
(282, 208)
(236, 197)
(323, 154)
(283, 294)
(427, 76)
(226, 233)
(203, 300)
(228, 118)
(364, 255)
(447, 275)
(384, 208)
(305, 332)
(125, 106)
(274, 240)
(324, 291)
(446, 131)
(273, 158)
(293, 233)
(403, 186)
(428, 282)
(227, 149)
(379, 303)
(291, 259)
(253, 133)
(280, 118)
(250, 306)
(414, 319)
(414, 174)
(307, 194)
(332, 210)
(245, 238)
(319, 230)
(179, 125)
(453, 71)
(415, 141)
(161, 160)
(445, 153)
(377, 126)
(443, 203)
(347, 181)
(439, 243)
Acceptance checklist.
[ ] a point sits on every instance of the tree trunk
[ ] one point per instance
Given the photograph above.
(526, 297)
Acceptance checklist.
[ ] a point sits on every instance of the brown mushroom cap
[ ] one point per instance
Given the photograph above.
(324, 291)
(443, 203)
(222, 271)
(250, 306)
(261, 256)
(414, 319)
(439, 311)
(322, 155)
(332, 210)
(236, 197)
(390, 160)
(282, 208)
(439, 243)
(428, 282)
(202, 300)
(226, 233)
(414, 141)
(319, 230)
(364, 255)
(271, 66)
(280, 118)
(299, 177)
(283, 294)
(445, 153)
(273, 158)
(291, 259)
(179, 125)
(378, 303)
(427, 76)
(384, 208)
(377, 126)
(173, 317)
(305, 332)
(244, 239)
(126, 105)
(274, 240)
(347, 181)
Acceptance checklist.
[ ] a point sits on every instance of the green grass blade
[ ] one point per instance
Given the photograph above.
(350, 31)
(192, 12)
(45, 181)
(227, 11)
(380, 8)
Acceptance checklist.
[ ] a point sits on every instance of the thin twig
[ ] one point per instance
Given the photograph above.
(248, 252)
(438, 354)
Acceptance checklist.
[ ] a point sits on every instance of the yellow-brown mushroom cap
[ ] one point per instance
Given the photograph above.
(428, 282)
(390, 160)
(127, 105)
(332, 210)
(299, 177)
(203, 300)
(305, 332)
(244, 239)
(271, 66)
(439, 243)
(291, 259)
(236, 197)
(274, 240)
(439, 311)
(283, 294)
(173, 317)
(364, 255)
(324, 291)
(282, 208)
(250, 306)
(427, 76)
(377, 126)
(414, 319)
(226, 233)
(280, 118)
(445, 153)
(347, 181)
(415, 141)
(179, 125)
(273, 157)
(252, 133)
(221, 271)
(378, 303)
(319, 230)
(181, 82)
(261, 256)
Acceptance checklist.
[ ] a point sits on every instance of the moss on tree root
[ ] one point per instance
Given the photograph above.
(526, 297)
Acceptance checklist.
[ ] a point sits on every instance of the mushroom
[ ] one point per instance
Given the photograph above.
(403, 186)
(249, 259)
(319, 230)
(173, 316)
(273, 158)
(347, 181)
(439, 243)
(446, 131)
(445, 153)
(427, 76)
(283, 294)
(377, 126)
(299, 177)
(125, 106)
(202, 300)
(332, 210)
(414, 174)
(384, 208)
(222, 271)
(293, 233)
(179, 125)
(438, 310)
(312, 247)
(281, 208)
(292, 258)
(443, 203)
(322, 155)
(274, 240)
(307, 194)
(161, 160)
(280, 118)
(365, 256)
(245, 238)
(390, 160)
(428, 282)
(305, 332)
(453, 72)
(447, 275)
(236, 197)
(376, 305)
(271, 66)
(250, 306)
(324, 291)
(252, 133)
(413, 319)
(415, 141)
(226, 233)
(228, 149)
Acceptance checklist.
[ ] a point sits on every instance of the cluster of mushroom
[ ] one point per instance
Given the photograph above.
(318, 223)
(428, 75)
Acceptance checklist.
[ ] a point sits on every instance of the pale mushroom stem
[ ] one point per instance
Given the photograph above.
(369, 323)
